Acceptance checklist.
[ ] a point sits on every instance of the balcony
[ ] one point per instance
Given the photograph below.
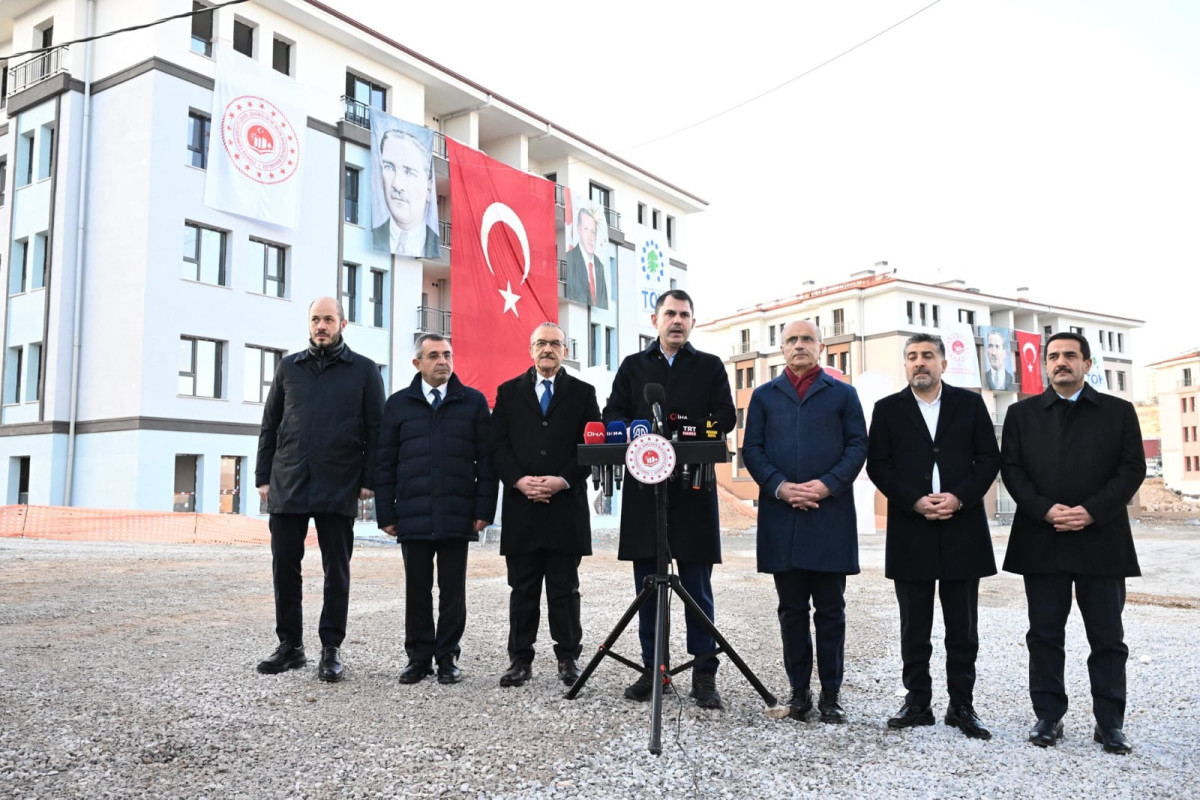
(433, 320)
(836, 329)
(741, 348)
(439, 144)
(612, 218)
(37, 69)
(444, 233)
(358, 113)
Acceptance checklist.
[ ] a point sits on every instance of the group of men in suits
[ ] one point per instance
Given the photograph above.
(1070, 457)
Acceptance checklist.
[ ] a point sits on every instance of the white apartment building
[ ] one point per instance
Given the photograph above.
(142, 328)
(1174, 384)
(864, 322)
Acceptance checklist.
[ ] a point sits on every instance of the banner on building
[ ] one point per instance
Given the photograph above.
(404, 218)
(504, 280)
(652, 277)
(962, 362)
(1029, 345)
(256, 154)
(1096, 376)
(588, 277)
(998, 373)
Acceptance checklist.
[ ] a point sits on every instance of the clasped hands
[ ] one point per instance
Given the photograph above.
(803, 495)
(1068, 518)
(939, 506)
(540, 488)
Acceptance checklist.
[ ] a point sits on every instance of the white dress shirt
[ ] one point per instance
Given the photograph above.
(930, 411)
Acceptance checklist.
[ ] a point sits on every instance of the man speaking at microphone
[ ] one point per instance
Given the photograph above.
(696, 386)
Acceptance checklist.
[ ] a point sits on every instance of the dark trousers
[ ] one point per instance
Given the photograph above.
(826, 589)
(422, 641)
(335, 534)
(526, 573)
(1101, 601)
(960, 613)
(696, 578)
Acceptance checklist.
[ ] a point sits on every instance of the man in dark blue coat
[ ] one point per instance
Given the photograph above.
(434, 491)
(933, 454)
(316, 459)
(1072, 458)
(805, 443)
(697, 387)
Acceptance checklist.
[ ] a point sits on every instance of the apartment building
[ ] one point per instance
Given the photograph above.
(142, 327)
(1174, 384)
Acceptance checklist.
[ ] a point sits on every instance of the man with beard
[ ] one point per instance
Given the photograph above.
(545, 526)
(406, 171)
(933, 454)
(1072, 459)
(316, 460)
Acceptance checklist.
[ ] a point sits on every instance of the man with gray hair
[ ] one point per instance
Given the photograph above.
(537, 425)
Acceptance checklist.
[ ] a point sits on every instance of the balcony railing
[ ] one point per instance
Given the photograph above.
(439, 144)
(560, 195)
(444, 233)
(741, 348)
(36, 70)
(836, 329)
(433, 320)
(357, 112)
(612, 218)
(562, 271)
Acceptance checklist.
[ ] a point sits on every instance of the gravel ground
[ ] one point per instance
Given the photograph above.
(128, 671)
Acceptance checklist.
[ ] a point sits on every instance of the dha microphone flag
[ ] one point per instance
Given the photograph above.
(639, 427)
(593, 433)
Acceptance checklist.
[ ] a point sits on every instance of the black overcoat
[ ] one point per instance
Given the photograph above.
(900, 461)
(1086, 453)
(698, 386)
(434, 475)
(316, 446)
(526, 443)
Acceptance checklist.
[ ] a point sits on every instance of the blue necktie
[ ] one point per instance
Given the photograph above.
(549, 385)
(437, 398)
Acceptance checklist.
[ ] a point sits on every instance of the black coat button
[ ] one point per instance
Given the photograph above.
(543, 452)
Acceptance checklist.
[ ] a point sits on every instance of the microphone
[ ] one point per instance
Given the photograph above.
(593, 433)
(712, 429)
(617, 433)
(639, 427)
(655, 396)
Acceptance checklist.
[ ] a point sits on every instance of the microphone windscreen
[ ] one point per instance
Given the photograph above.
(638, 427)
(654, 393)
(616, 433)
(593, 433)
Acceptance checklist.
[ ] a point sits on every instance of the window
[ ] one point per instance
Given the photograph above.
(25, 159)
(1185, 434)
(674, 283)
(909, 306)
(1120, 343)
(740, 380)
(644, 341)
(199, 367)
(198, 131)
(47, 38)
(1077, 329)
(655, 218)
(1183, 405)
(744, 333)
(202, 30)
(641, 213)
(1104, 345)
(1192, 404)
(1187, 377)
(595, 345)
(203, 254)
(670, 232)
(37, 266)
(1120, 380)
(1048, 330)
(774, 371)
(749, 377)
(4, 86)
(258, 372)
(33, 387)
(845, 362)
(741, 418)
(18, 267)
(839, 321)
(610, 348)
(243, 38)
(599, 194)
(376, 298)
(3, 176)
(13, 359)
(281, 56)
(349, 291)
(350, 211)
(45, 161)
(273, 258)
(366, 92)
(771, 335)
(1108, 378)
(937, 314)
(921, 317)
(1193, 433)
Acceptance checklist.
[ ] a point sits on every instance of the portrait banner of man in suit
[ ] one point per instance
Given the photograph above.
(587, 244)
(998, 372)
(403, 201)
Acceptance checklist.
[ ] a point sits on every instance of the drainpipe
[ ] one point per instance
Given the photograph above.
(81, 216)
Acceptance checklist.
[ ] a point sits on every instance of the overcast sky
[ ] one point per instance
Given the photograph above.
(1053, 144)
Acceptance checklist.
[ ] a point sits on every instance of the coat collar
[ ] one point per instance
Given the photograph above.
(949, 404)
(560, 382)
(449, 388)
(824, 381)
(346, 354)
(1049, 397)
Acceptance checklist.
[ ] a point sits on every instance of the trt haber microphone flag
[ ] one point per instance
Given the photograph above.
(1029, 346)
(504, 279)
(256, 146)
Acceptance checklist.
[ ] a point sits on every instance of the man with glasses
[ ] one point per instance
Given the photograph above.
(537, 425)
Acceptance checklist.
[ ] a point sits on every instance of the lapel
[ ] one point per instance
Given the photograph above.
(782, 383)
(561, 383)
(908, 401)
(949, 407)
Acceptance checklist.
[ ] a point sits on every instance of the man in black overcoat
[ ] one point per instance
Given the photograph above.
(933, 454)
(1072, 458)
(316, 459)
(697, 386)
(537, 426)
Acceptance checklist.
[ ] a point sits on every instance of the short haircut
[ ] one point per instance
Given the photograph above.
(584, 210)
(533, 335)
(337, 302)
(926, 338)
(419, 344)
(396, 133)
(678, 294)
(1085, 349)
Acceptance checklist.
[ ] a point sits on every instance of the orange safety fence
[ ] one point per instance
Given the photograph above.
(114, 525)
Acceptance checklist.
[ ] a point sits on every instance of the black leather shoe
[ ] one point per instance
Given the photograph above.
(284, 658)
(910, 716)
(568, 671)
(1046, 733)
(1113, 739)
(704, 689)
(640, 689)
(830, 708)
(966, 720)
(415, 671)
(448, 671)
(518, 674)
(330, 669)
(801, 703)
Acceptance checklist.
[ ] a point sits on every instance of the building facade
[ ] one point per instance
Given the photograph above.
(1174, 384)
(142, 327)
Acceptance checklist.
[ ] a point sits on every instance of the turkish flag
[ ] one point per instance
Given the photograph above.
(504, 279)
(1030, 347)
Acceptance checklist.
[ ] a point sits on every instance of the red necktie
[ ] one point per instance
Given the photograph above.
(592, 279)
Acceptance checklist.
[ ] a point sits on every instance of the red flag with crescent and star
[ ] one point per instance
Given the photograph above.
(503, 270)
(1029, 346)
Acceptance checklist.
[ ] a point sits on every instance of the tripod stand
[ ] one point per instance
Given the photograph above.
(658, 588)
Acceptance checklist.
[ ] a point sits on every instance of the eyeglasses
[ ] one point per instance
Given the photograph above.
(541, 344)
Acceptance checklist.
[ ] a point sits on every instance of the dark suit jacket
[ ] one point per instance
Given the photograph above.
(381, 239)
(1088, 454)
(900, 463)
(577, 279)
(697, 385)
(526, 443)
(1010, 384)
